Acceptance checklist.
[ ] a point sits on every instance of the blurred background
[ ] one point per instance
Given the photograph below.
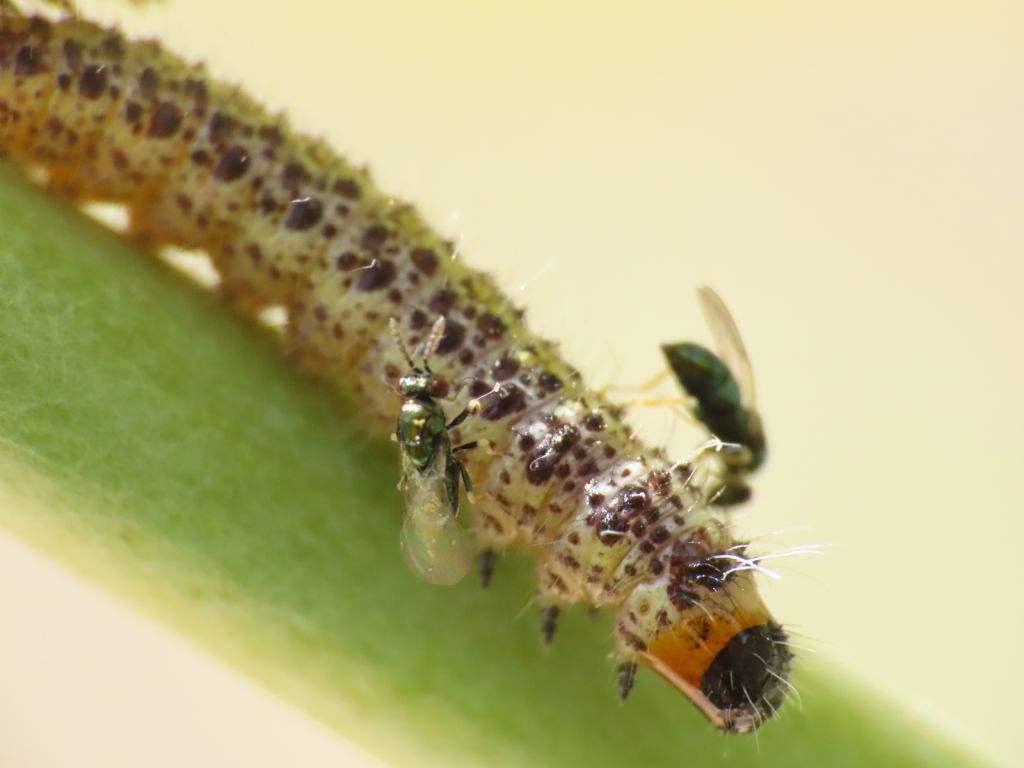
(847, 175)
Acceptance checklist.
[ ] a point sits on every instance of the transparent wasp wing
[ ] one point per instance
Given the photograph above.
(434, 545)
(729, 343)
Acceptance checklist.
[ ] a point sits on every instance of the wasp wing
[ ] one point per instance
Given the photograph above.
(729, 343)
(435, 547)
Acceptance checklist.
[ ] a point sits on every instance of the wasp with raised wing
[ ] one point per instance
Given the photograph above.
(721, 389)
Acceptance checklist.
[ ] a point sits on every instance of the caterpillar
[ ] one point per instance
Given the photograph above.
(288, 223)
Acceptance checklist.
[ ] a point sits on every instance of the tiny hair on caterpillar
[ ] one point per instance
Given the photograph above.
(287, 222)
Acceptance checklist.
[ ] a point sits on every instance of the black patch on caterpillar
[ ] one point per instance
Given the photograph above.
(504, 368)
(93, 81)
(454, 336)
(293, 175)
(541, 463)
(442, 301)
(133, 111)
(374, 237)
(113, 47)
(347, 188)
(614, 520)
(303, 214)
(149, 83)
(425, 260)
(232, 164)
(491, 326)
(165, 120)
(508, 400)
(29, 61)
(549, 382)
(220, 127)
(72, 51)
(379, 275)
(418, 319)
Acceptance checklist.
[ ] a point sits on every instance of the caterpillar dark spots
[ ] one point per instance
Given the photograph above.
(289, 224)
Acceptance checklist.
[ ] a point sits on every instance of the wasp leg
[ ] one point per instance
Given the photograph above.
(627, 674)
(485, 566)
(466, 446)
(473, 406)
(549, 623)
(466, 481)
(463, 415)
(452, 471)
(646, 386)
(726, 486)
(656, 401)
(679, 405)
(732, 492)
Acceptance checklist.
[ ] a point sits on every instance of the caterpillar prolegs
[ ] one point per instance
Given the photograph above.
(288, 223)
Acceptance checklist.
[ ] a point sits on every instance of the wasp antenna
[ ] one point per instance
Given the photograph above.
(430, 345)
(397, 336)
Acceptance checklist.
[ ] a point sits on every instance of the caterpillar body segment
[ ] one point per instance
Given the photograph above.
(289, 223)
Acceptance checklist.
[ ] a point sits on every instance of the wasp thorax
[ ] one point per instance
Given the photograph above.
(713, 639)
(423, 384)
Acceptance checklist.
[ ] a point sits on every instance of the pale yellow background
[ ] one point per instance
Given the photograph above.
(848, 175)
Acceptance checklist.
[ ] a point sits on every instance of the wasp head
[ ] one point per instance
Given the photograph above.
(420, 384)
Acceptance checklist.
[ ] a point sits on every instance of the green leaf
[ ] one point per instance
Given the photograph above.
(160, 446)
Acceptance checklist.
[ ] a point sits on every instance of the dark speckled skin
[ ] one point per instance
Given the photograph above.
(288, 223)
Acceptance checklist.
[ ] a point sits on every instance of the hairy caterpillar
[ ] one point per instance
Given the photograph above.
(288, 223)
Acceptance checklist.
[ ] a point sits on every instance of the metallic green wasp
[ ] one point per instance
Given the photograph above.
(435, 546)
(722, 392)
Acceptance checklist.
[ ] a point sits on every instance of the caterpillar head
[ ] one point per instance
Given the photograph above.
(707, 632)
